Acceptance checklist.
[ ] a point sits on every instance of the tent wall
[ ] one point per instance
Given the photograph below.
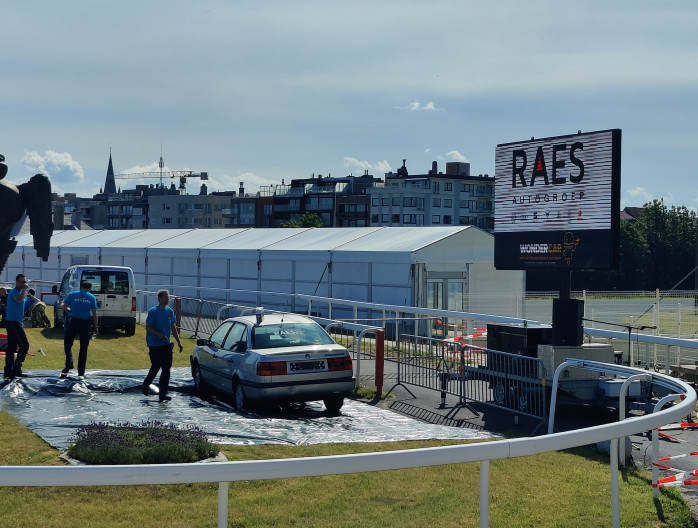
(379, 265)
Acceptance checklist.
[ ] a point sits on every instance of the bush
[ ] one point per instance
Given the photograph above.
(145, 443)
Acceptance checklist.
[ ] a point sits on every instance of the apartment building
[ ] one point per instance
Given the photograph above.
(435, 198)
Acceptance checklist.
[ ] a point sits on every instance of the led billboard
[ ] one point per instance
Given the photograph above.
(557, 202)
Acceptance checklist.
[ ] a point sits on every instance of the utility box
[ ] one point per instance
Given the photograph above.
(552, 356)
(518, 339)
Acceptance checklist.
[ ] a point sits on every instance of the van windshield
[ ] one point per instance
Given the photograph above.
(104, 281)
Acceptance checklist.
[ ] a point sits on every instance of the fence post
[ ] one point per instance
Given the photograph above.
(222, 504)
(484, 493)
(380, 361)
(678, 332)
(178, 314)
(198, 319)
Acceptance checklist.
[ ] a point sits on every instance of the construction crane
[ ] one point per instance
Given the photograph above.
(182, 175)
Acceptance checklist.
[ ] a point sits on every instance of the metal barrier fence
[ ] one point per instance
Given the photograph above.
(672, 313)
(473, 373)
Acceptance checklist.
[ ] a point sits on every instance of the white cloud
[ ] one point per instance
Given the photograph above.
(457, 156)
(416, 105)
(63, 171)
(231, 182)
(376, 169)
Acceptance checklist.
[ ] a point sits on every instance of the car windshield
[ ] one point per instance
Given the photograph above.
(289, 335)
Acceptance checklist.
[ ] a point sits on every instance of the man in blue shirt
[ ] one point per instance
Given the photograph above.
(16, 338)
(82, 307)
(158, 325)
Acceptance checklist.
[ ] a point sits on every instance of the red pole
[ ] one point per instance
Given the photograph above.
(380, 361)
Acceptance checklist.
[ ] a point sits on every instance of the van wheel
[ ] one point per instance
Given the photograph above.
(130, 329)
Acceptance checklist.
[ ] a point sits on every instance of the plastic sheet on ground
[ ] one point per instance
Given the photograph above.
(55, 409)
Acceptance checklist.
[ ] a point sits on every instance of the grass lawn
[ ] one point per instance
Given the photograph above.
(562, 489)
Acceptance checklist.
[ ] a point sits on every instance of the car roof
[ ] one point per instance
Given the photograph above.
(273, 319)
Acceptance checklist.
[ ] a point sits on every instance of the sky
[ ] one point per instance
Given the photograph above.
(264, 91)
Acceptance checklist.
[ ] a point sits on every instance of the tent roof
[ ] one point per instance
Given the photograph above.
(347, 239)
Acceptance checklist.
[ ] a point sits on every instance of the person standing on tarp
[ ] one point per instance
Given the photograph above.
(3, 306)
(81, 305)
(158, 325)
(16, 338)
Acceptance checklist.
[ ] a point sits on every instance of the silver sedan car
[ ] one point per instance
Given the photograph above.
(273, 358)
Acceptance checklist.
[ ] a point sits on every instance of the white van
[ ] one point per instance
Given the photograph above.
(114, 288)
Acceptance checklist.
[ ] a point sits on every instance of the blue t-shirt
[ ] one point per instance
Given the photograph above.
(81, 304)
(15, 310)
(161, 320)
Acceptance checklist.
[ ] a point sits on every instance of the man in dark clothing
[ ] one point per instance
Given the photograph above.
(82, 306)
(16, 338)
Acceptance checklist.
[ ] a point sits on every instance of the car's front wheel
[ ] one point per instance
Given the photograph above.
(333, 404)
(240, 399)
(199, 383)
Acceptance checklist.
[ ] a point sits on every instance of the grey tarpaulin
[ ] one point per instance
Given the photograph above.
(55, 409)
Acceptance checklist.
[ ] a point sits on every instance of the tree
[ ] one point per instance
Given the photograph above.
(657, 251)
(307, 220)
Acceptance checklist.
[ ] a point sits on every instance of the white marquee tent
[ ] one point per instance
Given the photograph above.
(434, 267)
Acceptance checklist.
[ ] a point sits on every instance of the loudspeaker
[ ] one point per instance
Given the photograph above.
(567, 322)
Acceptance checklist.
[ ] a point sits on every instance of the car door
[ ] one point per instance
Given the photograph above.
(233, 351)
(209, 357)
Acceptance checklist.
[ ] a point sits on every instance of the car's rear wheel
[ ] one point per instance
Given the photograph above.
(334, 403)
(240, 399)
(130, 329)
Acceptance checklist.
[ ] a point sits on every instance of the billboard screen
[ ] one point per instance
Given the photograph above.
(557, 202)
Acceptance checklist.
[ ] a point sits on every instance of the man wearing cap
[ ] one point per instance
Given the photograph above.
(16, 338)
(82, 306)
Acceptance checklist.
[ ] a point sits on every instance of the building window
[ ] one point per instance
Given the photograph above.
(435, 219)
(395, 219)
(436, 202)
(448, 202)
(167, 221)
(448, 186)
(374, 218)
(447, 219)
(409, 219)
(465, 187)
(375, 202)
(386, 202)
(396, 201)
(385, 219)
(216, 221)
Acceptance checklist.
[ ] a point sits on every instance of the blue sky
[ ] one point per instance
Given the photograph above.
(263, 91)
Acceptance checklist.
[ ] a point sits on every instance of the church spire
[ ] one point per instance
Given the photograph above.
(110, 184)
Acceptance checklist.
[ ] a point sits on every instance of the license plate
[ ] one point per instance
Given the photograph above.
(305, 366)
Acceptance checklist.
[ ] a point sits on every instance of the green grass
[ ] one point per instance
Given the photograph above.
(111, 350)
(560, 489)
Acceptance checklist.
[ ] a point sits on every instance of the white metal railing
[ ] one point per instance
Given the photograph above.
(225, 472)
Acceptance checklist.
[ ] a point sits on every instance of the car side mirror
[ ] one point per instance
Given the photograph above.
(54, 289)
(202, 342)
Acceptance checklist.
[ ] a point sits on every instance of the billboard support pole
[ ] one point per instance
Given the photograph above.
(565, 284)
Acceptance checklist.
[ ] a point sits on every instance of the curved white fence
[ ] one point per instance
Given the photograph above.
(225, 472)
